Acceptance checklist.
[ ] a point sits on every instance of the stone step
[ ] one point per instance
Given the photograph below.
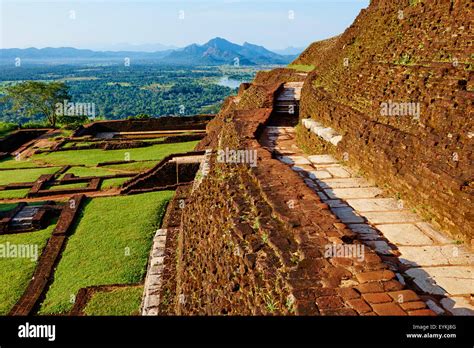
(445, 280)
(344, 183)
(404, 234)
(389, 217)
(375, 204)
(347, 193)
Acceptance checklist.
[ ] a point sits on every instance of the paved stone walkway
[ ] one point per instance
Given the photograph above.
(416, 251)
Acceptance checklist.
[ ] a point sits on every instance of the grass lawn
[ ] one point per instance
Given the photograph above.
(77, 144)
(68, 186)
(301, 67)
(134, 167)
(24, 175)
(121, 301)
(110, 245)
(16, 272)
(11, 163)
(111, 183)
(7, 206)
(89, 171)
(7, 194)
(95, 156)
(6, 128)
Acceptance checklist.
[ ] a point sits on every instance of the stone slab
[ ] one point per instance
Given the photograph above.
(362, 228)
(404, 234)
(388, 217)
(319, 174)
(302, 168)
(322, 159)
(348, 193)
(458, 305)
(435, 255)
(285, 159)
(299, 160)
(429, 230)
(335, 203)
(434, 307)
(347, 215)
(454, 280)
(345, 183)
(374, 204)
(338, 172)
(380, 247)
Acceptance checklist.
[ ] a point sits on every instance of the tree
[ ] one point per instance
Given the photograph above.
(34, 97)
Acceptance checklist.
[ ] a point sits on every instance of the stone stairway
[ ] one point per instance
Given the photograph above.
(440, 270)
(286, 105)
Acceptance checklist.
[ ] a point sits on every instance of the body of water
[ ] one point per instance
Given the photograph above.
(227, 82)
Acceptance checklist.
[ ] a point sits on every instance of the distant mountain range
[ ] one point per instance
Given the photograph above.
(289, 51)
(217, 51)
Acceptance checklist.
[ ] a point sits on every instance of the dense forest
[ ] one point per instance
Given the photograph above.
(122, 91)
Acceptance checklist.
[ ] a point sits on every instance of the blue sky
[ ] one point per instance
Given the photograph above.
(100, 24)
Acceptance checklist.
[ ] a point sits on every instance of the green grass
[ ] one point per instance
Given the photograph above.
(9, 194)
(24, 175)
(112, 183)
(89, 171)
(11, 163)
(7, 206)
(121, 301)
(110, 245)
(134, 167)
(301, 67)
(77, 144)
(6, 128)
(16, 272)
(95, 156)
(68, 186)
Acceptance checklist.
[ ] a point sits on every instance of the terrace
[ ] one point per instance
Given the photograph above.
(69, 196)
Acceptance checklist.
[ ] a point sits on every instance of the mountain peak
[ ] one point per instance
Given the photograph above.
(218, 40)
(221, 51)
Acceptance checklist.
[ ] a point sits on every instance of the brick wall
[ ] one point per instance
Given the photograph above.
(401, 52)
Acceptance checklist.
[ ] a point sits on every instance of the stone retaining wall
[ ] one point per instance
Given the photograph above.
(146, 125)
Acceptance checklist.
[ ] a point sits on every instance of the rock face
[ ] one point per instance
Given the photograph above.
(398, 85)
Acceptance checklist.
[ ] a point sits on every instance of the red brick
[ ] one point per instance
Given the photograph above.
(369, 287)
(348, 293)
(377, 297)
(359, 305)
(392, 285)
(409, 306)
(422, 312)
(341, 261)
(388, 309)
(339, 312)
(306, 308)
(375, 276)
(372, 258)
(404, 296)
(329, 302)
